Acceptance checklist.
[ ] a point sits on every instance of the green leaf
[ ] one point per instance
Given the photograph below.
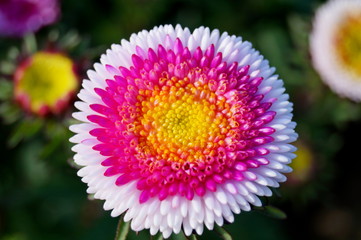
(51, 146)
(272, 211)
(15, 236)
(9, 112)
(275, 212)
(122, 229)
(70, 40)
(73, 164)
(6, 89)
(276, 192)
(30, 43)
(7, 67)
(34, 169)
(193, 237)
(158, 236)
(179, 236)
(13, 54)
(223, 233)
(299, 28)
(23, 130)
(53, 36)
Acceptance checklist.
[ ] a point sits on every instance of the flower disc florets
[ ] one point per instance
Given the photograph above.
(182, 129)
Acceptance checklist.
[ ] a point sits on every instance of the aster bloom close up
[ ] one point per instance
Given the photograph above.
(19, 17)
(336, 46)
(181, 129)
(45, 83)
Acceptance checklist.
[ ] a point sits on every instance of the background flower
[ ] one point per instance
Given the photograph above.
(335, 46)
(45, 83)
(19, 17)
(304, 167)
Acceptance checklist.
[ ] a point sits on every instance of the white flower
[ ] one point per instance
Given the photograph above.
(181, 129)
(335, 45)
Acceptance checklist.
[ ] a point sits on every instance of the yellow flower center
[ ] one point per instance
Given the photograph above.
(348, 43)
(47, 79)
(181, 123)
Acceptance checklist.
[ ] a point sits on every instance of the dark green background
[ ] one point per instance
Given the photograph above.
(41, 196)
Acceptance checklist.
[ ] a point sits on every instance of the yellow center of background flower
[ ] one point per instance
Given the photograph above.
(48, 79)
(181, 123)
(348, 43)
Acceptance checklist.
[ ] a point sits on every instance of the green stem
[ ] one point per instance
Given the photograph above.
(122, 229)
(30, 43)
(224, 234)
(159, 236)
(193, 237)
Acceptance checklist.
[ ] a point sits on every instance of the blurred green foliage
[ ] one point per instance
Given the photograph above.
(41, 197)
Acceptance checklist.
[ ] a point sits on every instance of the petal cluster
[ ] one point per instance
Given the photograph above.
(335, 46)
(19, 17)
(181, 130)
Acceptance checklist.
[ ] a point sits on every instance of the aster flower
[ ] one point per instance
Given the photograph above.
(181, 129)
(45, 83)
(19, 17)
(336, 46)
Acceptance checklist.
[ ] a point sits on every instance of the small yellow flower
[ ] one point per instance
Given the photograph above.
(303, 165)
(45, 83)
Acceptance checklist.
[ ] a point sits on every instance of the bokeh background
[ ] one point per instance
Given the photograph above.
(41, 197)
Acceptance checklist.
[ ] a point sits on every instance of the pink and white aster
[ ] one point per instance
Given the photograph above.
(335, 45)
(181, 130)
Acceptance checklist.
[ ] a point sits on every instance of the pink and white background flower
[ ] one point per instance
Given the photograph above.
(182, 130)
(335, 46)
